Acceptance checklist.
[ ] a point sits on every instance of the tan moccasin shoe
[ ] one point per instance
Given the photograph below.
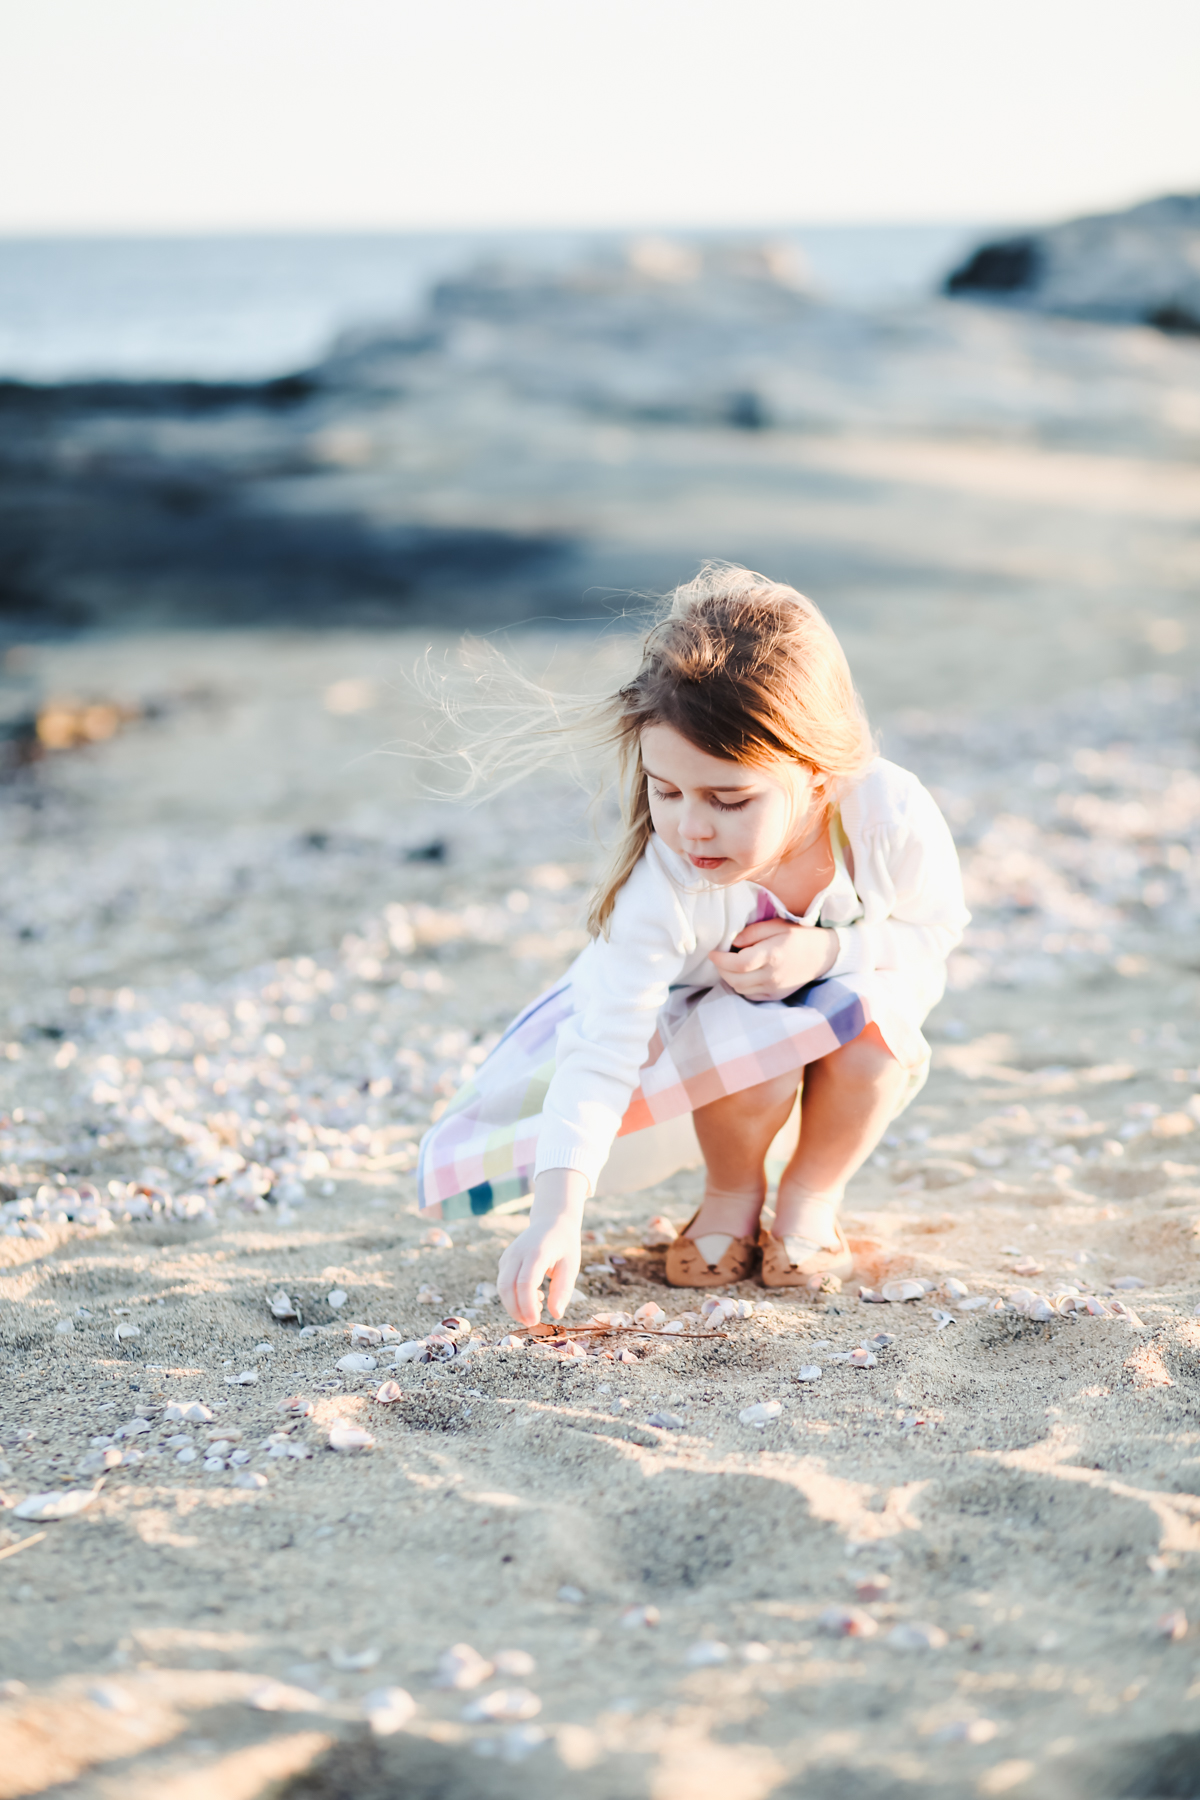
(688, 1265)
(794, 1262)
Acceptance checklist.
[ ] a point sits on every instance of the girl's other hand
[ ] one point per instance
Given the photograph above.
(549, 1245)
(772, 958)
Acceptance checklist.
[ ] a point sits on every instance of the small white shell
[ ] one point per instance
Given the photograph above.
(504, 1703)
(283, 1306)
(347, 1438)
(388, 1710)
(354, 1661)
(389, 1393)
(761, 1413)
(365, 1334)
(193, 1411)
(297, 1406)
(809, 1372)
(127, 1331)
(862, 1358)
(706, 1653)
(412, 1351)
(428, 1296)
(246, 1378)
(917, 1637)
(439, 1239)
(510, 1342)
(634, 1616)
(49, 1507)
(461, 1667)
(572, 1596)
(517, 1664)
(954, 1289)
(967, 1731)
(249, 1478)
(898, 1291)
(651, 1316)
(658, 1232)
(1127, 1281)
(337, 1298)
(357, 1363)
(972, 1303)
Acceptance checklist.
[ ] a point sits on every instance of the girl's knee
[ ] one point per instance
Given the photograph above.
(764, 1096)
(866, 1060)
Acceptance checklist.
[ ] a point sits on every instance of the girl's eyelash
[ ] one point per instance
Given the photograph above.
(721, 805)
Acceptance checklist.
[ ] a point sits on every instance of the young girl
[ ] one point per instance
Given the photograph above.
(774, 922)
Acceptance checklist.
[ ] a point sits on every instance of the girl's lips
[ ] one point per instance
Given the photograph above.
(707, 862)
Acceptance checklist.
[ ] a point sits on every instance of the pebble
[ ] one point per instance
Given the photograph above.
(706, 1653)
(846, 1621)
(635, 1616)
(186, 1455)
(357, 1363)
(65, 1327)
(667, 1421)
(50, 1507)
(214, 1463)
(868, 1588)
(917, 1637)
(389, 1393)
(504, 1703)
(388, 1710)
(761, 1413)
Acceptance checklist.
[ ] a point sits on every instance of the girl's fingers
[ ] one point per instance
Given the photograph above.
(529, 1281)
(562, 1286)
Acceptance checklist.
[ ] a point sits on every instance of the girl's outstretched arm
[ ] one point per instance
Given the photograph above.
(549, 1245)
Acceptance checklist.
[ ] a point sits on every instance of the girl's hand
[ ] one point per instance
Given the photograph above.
(774, 958)
(549, 1245)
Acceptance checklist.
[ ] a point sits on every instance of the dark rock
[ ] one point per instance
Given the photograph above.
(1010, 266)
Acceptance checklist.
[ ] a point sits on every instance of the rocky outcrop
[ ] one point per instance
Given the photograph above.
(1141, 266)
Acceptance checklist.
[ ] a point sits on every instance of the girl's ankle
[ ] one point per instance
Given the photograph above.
(736, 1214)
(809, 1214)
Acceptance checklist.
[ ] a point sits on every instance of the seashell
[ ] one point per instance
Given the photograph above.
(439, 1348)
(504, 1703)
(659, 1232)
(711, 1305)
(365, 1334)
(1172, 1625)
(193, 1412)
(336, 1299)
(754, 1652)
(514, 1663)
(625, 1356)
(651, 1316)
(862, 1358)
(714, 1315)
(1095, 1306)
(187, 1455)
(347, 1439)
(633, 1616)
(761, 1413)
(248, 1478)
(50, 1507)
(846, 1621)
(967, 1731)
(388, 1710)
(353, 1662)
(871, 1298)
(127, 1331)
(744, 1309)
(613, 1318)
(917, 1637)
(65, 1327)
(510, 1342)
(214, 1463)
(954, 1289)
(941, 1319)
(518, 1742)
(180, 1441)
(438, 1239)
(455, 1327)
(667, 1421)
(673, 1327)
(1028, 1266)
(99, 1462)
(973, 1302)
(245, 1379)
(461, 1667)
(872, 1587)
(573, 1351)
(389, 1393)
(706, 1653)
(1125, 1312)
(297, 1407)
(573, 1596)
(1127, 1281)
(897, 1291)
(412, 1351)
(427, 1296)
(357, 1363)
(486, 1292)
(809, 1372)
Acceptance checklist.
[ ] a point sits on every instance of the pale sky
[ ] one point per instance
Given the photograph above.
(209, 115)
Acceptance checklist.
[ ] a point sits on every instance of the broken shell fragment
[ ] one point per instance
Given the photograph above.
(659, 1232)
(388, 1710)
(461, 1667)
(917, 1637)
(365, 1334)
(846, 1621)
(283, 1306)
(337, 1298)
(193, 1412)
(1172, 1625)
(898, 1291)
(504, 1703)
(246, 1378)
(249, 1478)
(297, 1407)
(127, 1331)
(941, 1319)
(389, 1393)
(635, 1616)
(510, 1342)
(427, 1296)
(809, 1372)
(651, 1316)
(967, 1731)
(48, 1508)
(412, 1351)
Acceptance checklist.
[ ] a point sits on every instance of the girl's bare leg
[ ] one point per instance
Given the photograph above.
(735, 1134)
(849, 1097)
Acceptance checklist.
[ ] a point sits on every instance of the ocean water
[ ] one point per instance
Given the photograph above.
(253, 307)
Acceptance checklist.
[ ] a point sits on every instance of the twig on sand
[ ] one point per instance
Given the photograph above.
(12, 1549)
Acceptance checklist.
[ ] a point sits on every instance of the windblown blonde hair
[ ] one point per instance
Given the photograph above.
(745, 668)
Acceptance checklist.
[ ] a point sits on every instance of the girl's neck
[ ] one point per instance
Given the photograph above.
(807, 867)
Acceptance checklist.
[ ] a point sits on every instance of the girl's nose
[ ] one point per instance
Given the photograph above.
(696, 827)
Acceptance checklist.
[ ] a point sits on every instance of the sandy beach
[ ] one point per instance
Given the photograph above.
(249, 960)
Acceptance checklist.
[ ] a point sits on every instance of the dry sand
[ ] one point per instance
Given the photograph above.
(207, 974)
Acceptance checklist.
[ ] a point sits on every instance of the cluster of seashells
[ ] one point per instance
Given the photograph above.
(1061, 1302)
(85, 1207)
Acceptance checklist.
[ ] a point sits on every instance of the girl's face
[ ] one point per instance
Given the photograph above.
(727, 819)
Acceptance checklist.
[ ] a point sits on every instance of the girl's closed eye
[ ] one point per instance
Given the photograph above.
(731, 805)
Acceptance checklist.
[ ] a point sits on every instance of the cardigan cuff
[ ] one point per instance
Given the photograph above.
(854, 952)
(580, 1157)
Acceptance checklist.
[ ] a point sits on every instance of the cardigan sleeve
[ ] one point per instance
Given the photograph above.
(913, 869)
(621, 983)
